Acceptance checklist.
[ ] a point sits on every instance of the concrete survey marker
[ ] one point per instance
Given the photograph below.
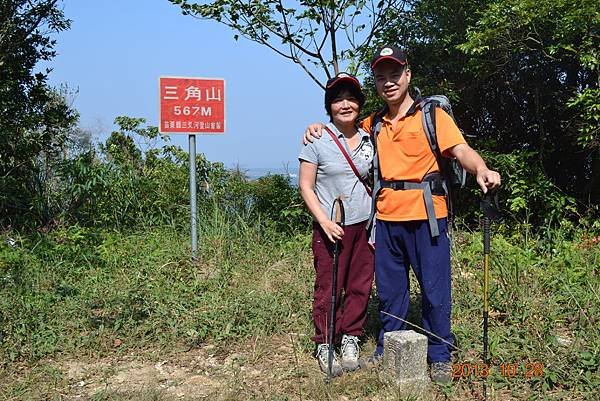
(405, 361)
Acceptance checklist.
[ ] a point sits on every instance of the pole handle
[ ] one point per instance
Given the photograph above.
(340, 215)
(490, 207)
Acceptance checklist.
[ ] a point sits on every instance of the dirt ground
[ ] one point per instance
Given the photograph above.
(275, 369)
(201, 373)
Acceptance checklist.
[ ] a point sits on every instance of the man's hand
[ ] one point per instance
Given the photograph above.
(474, 164)
(488, 180)
(333, 231)
(313, 130)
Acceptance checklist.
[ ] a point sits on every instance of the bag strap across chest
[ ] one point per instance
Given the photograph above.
(348, 159)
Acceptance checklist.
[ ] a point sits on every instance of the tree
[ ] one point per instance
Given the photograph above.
(523, 76)
(34, 118)
(555, 44)
(318, 35)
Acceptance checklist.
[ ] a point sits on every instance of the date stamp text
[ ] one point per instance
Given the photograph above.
(527, 370)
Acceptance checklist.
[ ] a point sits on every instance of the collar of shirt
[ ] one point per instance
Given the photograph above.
(411, 110)
(363, 134)
(413, 107)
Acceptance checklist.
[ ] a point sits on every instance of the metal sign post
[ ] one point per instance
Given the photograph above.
(192, 106)
(193, 210)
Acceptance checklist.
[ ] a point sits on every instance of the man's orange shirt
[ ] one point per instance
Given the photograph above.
(405, 155)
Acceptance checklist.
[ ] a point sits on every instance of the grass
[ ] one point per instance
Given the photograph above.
(82, 289)
(544, 307)
(87, 306)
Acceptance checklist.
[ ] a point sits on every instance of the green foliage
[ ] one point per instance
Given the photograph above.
(118, 186)
(276, 199)
(589, 108)
(551, 45)
(562, 33)
(527, 196)
(129, 182)
(34, 119)
(530, 195)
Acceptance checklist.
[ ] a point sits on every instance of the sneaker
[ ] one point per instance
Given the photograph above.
(371, 362)
(350, 352)
(322, 356)
(441, 372)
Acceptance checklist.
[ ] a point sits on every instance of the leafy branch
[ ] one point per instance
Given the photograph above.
(304, 31)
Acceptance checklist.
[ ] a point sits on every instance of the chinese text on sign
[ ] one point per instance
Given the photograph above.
(192, 105)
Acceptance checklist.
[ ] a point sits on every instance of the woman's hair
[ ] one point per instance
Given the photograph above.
(332, 93)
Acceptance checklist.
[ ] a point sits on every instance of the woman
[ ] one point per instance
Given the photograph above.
(325, 174)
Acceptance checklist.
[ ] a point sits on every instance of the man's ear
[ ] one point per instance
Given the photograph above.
(408, 74)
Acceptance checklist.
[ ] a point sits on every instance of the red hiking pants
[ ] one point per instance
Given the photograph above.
(354, 278)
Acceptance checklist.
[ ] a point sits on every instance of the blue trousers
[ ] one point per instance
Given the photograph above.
(398, 245)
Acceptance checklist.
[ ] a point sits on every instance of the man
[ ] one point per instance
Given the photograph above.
(404, 236)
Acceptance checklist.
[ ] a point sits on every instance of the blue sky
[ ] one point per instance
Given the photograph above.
(116, 50)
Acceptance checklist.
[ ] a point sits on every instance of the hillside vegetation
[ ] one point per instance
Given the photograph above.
(124, 286)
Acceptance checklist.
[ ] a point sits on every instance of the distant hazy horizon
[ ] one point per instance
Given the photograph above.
(254, 173)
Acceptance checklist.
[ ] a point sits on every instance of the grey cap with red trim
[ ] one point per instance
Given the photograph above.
(389, 53)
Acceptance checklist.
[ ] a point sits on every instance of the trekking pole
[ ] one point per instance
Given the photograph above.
(486, 282)
(489, 207)
(339, 219)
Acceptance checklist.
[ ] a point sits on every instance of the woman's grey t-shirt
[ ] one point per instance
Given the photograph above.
(335, 176)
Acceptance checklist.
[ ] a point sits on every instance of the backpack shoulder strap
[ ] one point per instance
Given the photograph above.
(428, 107)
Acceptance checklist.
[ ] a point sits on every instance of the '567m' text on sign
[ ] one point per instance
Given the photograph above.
(192, 105)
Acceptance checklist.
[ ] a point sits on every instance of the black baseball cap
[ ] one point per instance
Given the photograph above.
(389, 53)
(342, 77)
